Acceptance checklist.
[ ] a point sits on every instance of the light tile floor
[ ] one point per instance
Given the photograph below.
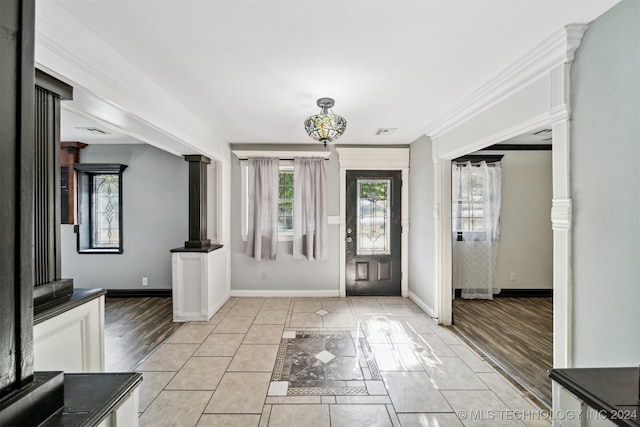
(219, 373)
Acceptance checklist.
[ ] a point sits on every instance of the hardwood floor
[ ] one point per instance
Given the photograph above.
(517, 333)
(133, 328)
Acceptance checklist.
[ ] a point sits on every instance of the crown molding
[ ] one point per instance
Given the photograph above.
(556, 50)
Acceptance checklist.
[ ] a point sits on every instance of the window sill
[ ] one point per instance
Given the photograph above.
(288, 237)
(100, 251)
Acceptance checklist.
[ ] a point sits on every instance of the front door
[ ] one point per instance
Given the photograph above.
(373, 233)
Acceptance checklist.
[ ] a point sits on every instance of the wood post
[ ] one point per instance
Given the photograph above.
(197, 201)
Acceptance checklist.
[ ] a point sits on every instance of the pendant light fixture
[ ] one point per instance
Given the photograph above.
(325, 127)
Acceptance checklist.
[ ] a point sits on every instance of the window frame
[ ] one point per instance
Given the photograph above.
(461, 162)
(85, 228)
(286, 159)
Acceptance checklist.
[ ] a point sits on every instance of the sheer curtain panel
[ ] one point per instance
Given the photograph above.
(262, 236)
(309, 209)
(476, 228)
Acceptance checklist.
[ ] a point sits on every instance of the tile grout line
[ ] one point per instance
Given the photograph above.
(265, 415)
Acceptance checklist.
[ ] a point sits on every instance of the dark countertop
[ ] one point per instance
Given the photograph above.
(612, 390)
(210, 248)
(90, 398)
(59, 306)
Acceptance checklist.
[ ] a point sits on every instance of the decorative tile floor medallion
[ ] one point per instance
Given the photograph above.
(325, 363)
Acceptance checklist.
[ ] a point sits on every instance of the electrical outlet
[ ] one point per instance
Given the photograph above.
(145, 281)
(513, 277)
(264, 276)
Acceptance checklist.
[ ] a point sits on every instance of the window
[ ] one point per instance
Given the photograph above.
(475, 192)
(285, 204)
(285, 201)
(99, 226)
(468, 203)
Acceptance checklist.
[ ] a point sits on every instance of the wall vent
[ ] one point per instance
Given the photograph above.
(386, 131)
(94, 130)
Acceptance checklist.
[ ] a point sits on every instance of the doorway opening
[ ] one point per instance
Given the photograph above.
(514, 325)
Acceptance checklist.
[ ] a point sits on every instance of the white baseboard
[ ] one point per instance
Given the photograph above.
(423, 305)
(217, 306)
(190, 317)
(285, 293)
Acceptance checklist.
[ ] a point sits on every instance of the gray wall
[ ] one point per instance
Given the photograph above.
(155, 220)
(284, 273)
(421, 227)
(605, 150)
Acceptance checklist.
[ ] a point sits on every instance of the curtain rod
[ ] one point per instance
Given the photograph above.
(282, 155)
(281, 158)
(491, 158)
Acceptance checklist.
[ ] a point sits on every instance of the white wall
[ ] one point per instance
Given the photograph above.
(526, 237)
(605, 92)
(284, 274)
(421, 230)
(155, 220)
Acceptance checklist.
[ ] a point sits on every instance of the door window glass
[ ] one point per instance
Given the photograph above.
(374, 214)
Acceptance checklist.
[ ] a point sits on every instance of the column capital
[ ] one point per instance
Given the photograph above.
(197, 158)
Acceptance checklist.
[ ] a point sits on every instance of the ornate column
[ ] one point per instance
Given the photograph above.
(197, 267)
(48, 282)
(560, 115)
(16, 188)
(197, 201)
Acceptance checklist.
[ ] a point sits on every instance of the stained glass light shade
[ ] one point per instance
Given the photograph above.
(325, 127)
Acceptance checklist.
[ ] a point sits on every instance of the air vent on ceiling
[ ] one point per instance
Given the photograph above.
(94, 130)
(542, 132)
(386, 131)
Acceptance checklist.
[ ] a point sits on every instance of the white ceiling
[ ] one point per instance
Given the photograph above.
(252, 70)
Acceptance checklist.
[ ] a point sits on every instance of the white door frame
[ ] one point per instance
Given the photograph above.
(467, 128)
(368, 158)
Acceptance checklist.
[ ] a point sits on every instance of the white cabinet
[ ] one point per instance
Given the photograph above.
(200, 284)
(125, 415)
(570, 411)
(595, 397)
(72, 341)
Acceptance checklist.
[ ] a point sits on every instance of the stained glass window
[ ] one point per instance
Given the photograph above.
(99, 225)
(106, 205)
(374, 216)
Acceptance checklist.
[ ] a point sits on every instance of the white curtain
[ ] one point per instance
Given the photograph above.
(309, 209)
(476, 215)
(262, 236)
